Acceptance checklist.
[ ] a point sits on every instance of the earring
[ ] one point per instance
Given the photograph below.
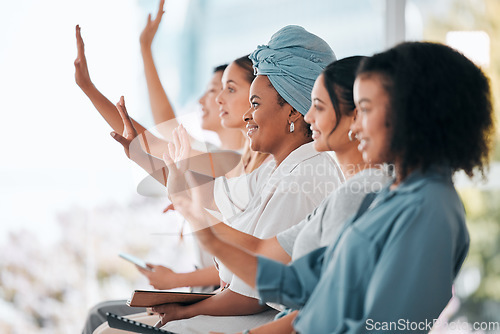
(292, 127)
(350, 135)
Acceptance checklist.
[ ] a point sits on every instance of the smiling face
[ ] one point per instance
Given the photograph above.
(233, 98)
(210, 108)
(371, 126)
(266, 121)
(321, 116)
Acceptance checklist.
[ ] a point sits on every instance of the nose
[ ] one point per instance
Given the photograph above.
(248, 116)
(202, 99)
(218, 98)
(309, 117)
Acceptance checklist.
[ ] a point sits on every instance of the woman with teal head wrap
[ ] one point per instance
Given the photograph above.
(287, 67)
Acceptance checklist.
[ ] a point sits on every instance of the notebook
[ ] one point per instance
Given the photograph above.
(115, 321)
(150, 298)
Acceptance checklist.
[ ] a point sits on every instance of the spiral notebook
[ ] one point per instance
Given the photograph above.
(115, 321)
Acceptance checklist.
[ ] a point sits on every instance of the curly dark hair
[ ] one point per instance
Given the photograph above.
(440, 110)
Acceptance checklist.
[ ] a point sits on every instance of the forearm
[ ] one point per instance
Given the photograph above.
(152, 165)
(201, 277)
(160, 104)
(232, 235)
(268, 247)
(282, 325)
(108, 110)
(225, 303)
(239, 261)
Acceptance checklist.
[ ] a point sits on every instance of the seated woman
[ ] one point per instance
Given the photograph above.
(426, 109)
(276, 126)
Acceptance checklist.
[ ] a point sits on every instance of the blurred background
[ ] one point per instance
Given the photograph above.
(68, 198)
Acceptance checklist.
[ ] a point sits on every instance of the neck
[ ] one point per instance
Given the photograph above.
(351, 161)
(231, 139)
(288, 147)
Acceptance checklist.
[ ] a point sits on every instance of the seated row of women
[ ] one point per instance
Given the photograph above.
(324, 245)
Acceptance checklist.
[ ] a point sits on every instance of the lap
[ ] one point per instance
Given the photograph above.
(227, 324)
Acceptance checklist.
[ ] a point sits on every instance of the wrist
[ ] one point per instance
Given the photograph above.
(145, 47)
(186, 312)
(89, 89)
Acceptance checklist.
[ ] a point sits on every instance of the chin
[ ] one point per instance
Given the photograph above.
(320, 147)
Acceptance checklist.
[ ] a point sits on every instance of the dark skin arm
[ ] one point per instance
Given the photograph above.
(225, 303)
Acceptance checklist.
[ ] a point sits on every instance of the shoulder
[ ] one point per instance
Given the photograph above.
(319, 164)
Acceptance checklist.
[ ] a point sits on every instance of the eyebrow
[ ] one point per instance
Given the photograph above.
(254, 97)
(318, 99)
(231, 81)
(364, 100)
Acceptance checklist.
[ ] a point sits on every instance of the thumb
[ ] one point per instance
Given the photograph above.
(119, 138)
(168, 160)
(169, 208)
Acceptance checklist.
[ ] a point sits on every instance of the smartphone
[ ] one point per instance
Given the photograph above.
(135, 260)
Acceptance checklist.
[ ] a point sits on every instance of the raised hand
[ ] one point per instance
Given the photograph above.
(151, 28)
(82, 76)
(129, 131)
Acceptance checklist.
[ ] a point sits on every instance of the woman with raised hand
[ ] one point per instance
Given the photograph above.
(426, 109)
(282, 191)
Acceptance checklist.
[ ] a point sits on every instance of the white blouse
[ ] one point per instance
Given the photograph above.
(270, 200)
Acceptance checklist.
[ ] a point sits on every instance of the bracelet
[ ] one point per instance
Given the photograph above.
(246, 331)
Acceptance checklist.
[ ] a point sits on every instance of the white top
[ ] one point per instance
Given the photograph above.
(321, 227)
(278, 198)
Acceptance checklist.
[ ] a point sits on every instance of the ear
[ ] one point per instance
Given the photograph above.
(294, 115)
(354, 116)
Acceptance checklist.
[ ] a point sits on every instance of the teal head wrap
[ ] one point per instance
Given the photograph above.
(292, 61)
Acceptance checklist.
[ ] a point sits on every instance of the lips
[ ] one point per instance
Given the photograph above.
(362, 145)
(251, 129)
(315, 133)
(223, 113)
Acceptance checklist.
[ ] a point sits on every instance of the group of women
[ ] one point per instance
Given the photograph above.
(301, 241)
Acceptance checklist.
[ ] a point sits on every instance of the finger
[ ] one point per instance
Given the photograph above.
(143, 271)
(79, 43)
(160, 11)
(127, 121)
(185, 143)
(149, 19)
(171, 151)
(177, 143)
(119, 138)
(168, 208)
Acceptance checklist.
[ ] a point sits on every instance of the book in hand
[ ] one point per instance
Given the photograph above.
(115, 321)
(150, 298)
